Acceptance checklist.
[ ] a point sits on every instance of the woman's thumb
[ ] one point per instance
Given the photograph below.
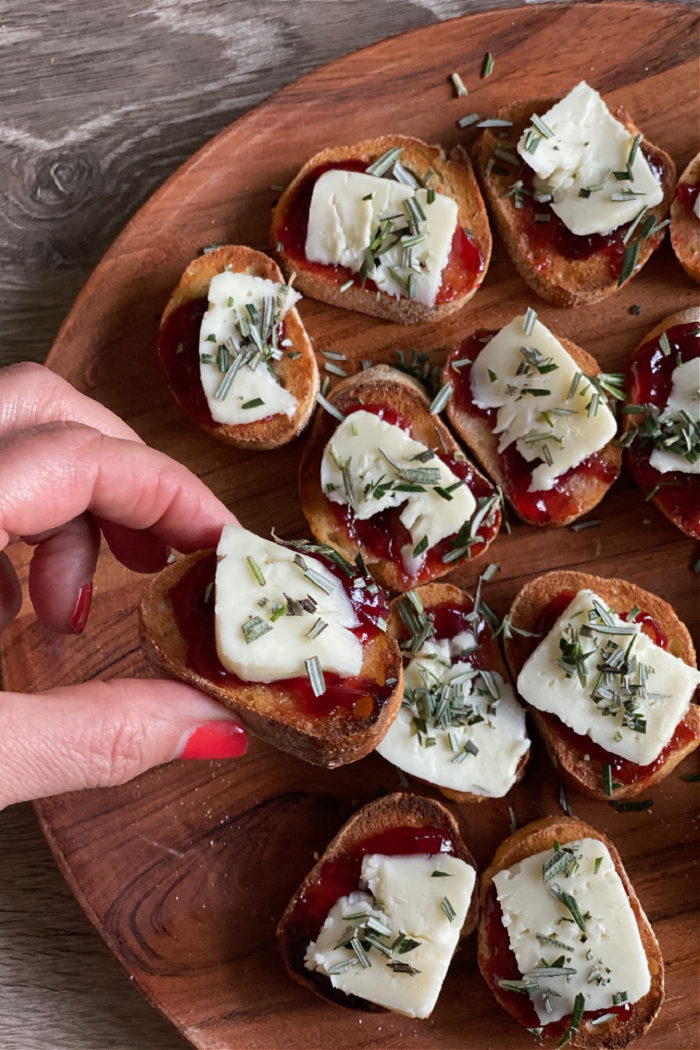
(104, 733)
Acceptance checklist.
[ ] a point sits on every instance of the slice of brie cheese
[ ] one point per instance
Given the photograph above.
(481, 757)
(346, 212)
(696, 207)
(684, 397)
(405, 896)
(577, 162)
(230, 295)
(366, 452)
(659, 687)
(528, 379)
(279, 645)
(608, 957)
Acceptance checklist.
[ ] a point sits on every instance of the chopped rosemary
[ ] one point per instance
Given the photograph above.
(255, 403)
(330, 408)
(441, 399)
(382, 164)
(575, 1023)
(607, 779)
(589, 523)
(629, 263)
(634, 806)
(254, 628)
(596, 865)
(458, 85)
(471, 118)
(315, 673)
(347, 285)
(487, 68)
(529, 320)
(448, 909)
(256, 570)
(571, 904)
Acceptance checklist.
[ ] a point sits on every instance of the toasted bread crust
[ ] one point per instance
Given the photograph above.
(298, 375)
(621, 596)
(390, 387)
(688, 316)
(269, 710)
(391, 811)
(432, 594)
(563, 282)
(586, 489)
(456, 179)
(539, 836)
(685, 227)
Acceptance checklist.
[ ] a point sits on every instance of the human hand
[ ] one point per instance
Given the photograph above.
(71, 470)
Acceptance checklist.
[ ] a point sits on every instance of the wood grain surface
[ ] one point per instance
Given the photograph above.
(181, 900)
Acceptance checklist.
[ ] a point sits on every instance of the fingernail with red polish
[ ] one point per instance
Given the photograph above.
(81, 609)
(216, 740)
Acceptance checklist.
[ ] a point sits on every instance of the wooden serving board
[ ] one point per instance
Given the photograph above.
(186, 870)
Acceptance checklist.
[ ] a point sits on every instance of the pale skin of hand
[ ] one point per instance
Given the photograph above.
(71, 470)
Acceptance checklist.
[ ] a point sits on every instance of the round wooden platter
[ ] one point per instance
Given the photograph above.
(185, 871)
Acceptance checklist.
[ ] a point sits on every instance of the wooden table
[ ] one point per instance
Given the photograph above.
(101, 101)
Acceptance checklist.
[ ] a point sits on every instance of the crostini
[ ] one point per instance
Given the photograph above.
(685, 219)
(460, 726)
(234, 351)
(375, 923)
(382, 476)
(662, 418)
(533, 409)
(290, 636)
(576, 193)
(389, 226)
(608, 672)
(564, 944)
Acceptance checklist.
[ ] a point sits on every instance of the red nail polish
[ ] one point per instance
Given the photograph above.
(216, 740)
(81, 609)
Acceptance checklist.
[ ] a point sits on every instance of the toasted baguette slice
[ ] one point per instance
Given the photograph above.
(683, 512)
(432, 595)
(271, 711)
(301, 921)
(621, 596)
(298, 374)
(685, 225)
(453, 176)
(554, 277)
(585, 488)
(535, 838)
(386, 386)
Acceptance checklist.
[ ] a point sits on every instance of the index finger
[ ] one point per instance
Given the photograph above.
(52, 473)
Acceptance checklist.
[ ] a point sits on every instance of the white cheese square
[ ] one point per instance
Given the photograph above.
(358, 452)
(608, 956)
(281, 651)
(502, 378)
(684, 397)
(346, 210)
(576, 165)
(411, 903)
(229, 295)
(500, 738)
(670, 684)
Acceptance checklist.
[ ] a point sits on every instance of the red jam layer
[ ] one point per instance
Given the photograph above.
(623, 770)
(193, 609)
(178, 357)
(341, 876)
(539, 507)
(383, 535)
(501, 965)
(546, 239)
(462, 272)
(687, 195)
(450, 619)
(649, 376)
